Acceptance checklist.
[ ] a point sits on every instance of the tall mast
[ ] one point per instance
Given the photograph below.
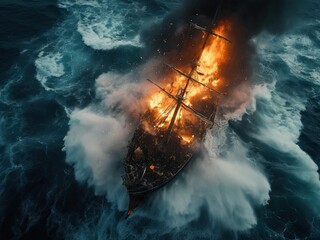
(179, 102)
(180, 97)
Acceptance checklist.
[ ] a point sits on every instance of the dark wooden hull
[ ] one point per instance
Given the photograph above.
(151, 165)
(153, 160)
(137, 197)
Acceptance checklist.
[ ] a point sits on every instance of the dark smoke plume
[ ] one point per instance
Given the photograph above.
(251, 16)
(175, 41)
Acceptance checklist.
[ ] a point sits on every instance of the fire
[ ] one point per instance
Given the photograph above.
(187, 139)
(207, 72)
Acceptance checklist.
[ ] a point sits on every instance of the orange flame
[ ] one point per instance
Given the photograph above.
(215, 54)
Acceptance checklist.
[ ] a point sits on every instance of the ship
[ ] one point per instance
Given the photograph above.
(159, 149)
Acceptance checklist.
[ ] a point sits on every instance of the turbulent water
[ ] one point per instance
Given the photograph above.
(67, 65)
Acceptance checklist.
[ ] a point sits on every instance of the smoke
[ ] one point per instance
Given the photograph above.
(175, 41)
(251, 17)
(96, 143)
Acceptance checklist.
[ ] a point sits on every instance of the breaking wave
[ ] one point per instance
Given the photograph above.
(48, 67)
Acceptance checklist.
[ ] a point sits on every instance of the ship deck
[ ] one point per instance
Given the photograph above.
(151, 163)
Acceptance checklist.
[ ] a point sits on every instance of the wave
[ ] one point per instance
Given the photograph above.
(109, 24)
(48, 67)
(277, 123)
(225, 182)
(95, 146)
(102, 25)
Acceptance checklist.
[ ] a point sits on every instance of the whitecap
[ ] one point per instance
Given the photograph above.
(280, 124)
(102, 37)
(49, 66)
(108, 24)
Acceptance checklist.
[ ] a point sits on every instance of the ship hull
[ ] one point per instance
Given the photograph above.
(137, 197)
(152, 164)
(148, 191)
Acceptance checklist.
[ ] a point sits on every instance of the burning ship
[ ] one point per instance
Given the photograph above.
(178, 117)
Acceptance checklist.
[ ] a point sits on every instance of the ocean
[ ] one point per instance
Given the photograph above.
(70, 69)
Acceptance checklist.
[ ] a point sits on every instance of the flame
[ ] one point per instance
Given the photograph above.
(208, 72)
(187, 139)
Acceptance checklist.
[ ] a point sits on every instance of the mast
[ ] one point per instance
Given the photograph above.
(185, 106)
(192, 79)
(179, 102)
(180, 97)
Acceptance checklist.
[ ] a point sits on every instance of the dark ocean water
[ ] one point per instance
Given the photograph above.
(62, 65)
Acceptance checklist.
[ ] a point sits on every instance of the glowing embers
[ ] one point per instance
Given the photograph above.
(207, 72)
(187, 139)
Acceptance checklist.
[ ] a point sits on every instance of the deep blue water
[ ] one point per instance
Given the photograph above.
(69, 68)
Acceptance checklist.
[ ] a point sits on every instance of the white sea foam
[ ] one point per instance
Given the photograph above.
(225, 181)
(96, 143)
(238, 101)
(280, 121)
(280, 128)
(95, 146)
(108, 24)
(49, 66)
(296, 50)
(102, 24)
(99, 36)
